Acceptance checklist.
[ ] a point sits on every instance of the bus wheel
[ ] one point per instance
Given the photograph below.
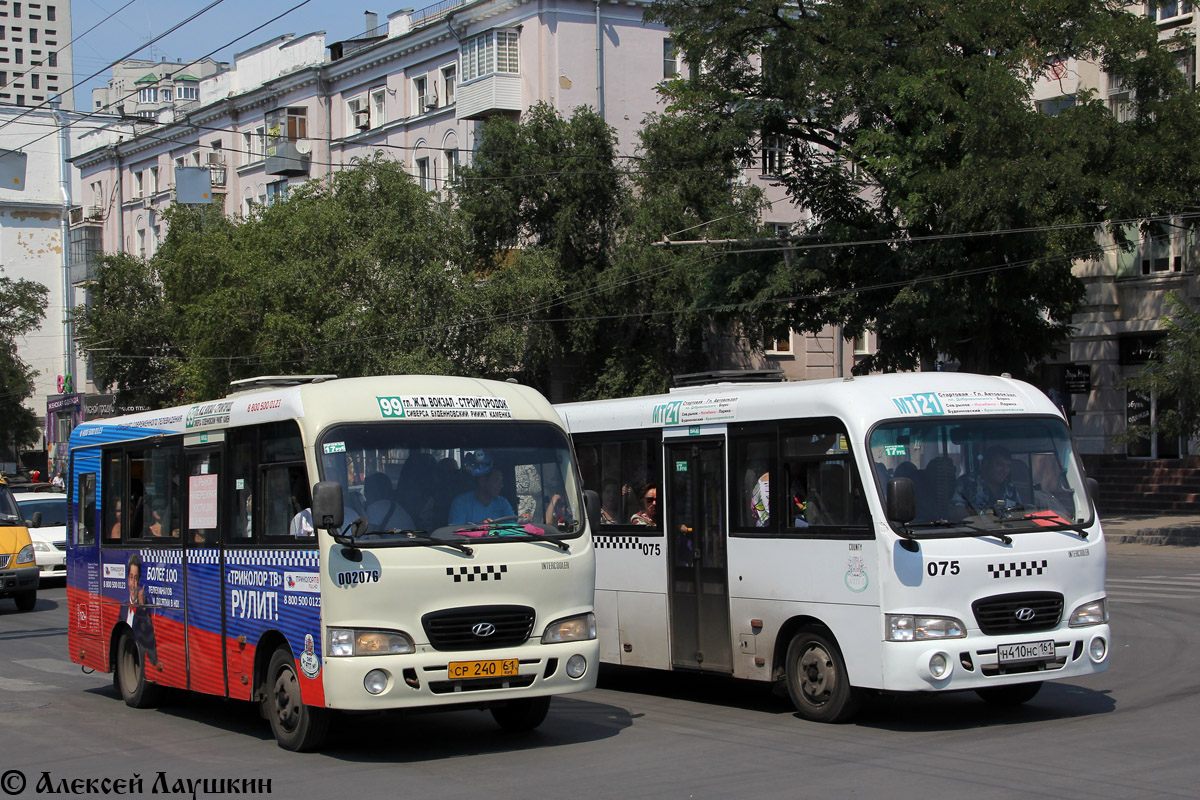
(296, 726)
(817, 680)
(521, 715)
(1009, 696)
(26, 600)
(129, 678)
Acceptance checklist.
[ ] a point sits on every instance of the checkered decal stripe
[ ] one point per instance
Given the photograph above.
(209, 555)
(1014, 569)
(272, 558)
(620, 542)
(161, 556)
(472, 574)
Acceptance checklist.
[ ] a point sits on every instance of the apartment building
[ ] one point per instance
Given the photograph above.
(35, 57)
(1120, 322)
(154, 90)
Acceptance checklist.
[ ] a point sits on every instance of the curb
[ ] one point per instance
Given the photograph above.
(1178, 537)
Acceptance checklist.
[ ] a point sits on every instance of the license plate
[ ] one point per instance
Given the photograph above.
(497, 668)
(1025, 651)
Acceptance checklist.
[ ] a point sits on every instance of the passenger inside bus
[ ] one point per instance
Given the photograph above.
(611, 507)
(383, 512)
(649, 513)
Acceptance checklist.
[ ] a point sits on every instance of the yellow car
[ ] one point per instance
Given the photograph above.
(18, 567)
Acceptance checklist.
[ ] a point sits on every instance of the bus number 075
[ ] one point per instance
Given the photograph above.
(935, 568)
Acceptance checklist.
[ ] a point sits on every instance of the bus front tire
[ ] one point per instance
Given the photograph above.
(1009, 696)
(296, 726)
(129, 677)
(817, 680)
(26, 600)
(521, 715)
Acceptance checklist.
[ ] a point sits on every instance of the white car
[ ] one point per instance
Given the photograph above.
(50, 537)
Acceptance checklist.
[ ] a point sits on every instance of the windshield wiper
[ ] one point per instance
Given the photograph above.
(510, 525)
(945, 523)
(423, 537)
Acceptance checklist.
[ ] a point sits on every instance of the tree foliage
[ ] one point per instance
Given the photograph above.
(1173, 376)
(947, 209)
(22, 307)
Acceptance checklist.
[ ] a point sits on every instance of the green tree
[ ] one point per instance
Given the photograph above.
(908, 128)
(22, 307)
(1173, 377)
(360, 276)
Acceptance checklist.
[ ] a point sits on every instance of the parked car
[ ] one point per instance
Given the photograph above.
(48, 531)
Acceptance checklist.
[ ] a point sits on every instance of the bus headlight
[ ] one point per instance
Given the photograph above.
(350, 642)
(917, 628)
(571, 629)
(1093, 613)
(26, 555)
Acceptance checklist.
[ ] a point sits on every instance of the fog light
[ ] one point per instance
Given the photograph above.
(939, 665)
(1098, 649)
(576, 666)
(376, 681)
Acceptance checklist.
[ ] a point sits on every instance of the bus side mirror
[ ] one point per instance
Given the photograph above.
(327, 509)
(36, 520)
(591, 504)
(901, 500)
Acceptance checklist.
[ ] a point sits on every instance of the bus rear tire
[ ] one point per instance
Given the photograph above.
(1009, 696)
(129, 677)
(26, 600)
(817, 680)
(521, 715)
(296, 726)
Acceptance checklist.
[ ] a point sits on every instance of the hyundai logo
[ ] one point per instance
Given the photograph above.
(482, 629)
(1025, 614)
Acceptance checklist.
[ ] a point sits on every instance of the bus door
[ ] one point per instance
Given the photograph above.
(84, 639)
(204, 634)
(695, 525)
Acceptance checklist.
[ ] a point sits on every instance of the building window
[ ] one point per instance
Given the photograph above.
(451, 155)
(50, 13)
(277, 191)
(1164, 11)
(779, 346)
(52, 59)
(378, 107)
(420, 97)
(253, 145)
(670, 59)
(1055, 105)
(149, 95)
(166, 95)
(297, 124)
(1169, 246)
(138, 184)
(359, 117)
(33, 35)
(153, 181)
(772, 155)
(20, 56)
(449, 75)
(488, 53)
(424, 179)
(187, 92)
(35, 81)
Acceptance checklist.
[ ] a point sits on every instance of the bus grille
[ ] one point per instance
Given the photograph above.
(4, 561)
(453, 628)
(1010, 613)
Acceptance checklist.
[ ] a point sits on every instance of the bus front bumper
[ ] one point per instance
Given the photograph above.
(423, 678)
(975, 662)
(16, 581)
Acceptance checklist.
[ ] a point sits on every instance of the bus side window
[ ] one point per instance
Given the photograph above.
(754, 458)
(85, 510)
(241, 477)
(285, 494)
(114, 496)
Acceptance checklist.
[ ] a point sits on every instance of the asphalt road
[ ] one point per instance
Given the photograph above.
(1130, 732)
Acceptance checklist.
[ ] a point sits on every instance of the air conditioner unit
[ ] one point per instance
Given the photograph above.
(429, 101)
(76, 215)
(216, 159)
(362, 119)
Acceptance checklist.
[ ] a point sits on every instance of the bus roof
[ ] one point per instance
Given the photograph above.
(859, 401)
(323, 403)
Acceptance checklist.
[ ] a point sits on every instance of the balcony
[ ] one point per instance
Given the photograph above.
(288, 158)
(491, 94)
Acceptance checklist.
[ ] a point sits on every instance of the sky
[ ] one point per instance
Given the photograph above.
(133, 28)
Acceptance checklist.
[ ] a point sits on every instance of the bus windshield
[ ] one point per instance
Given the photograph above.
(980, 475)
(8, 507)
(462, 482)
